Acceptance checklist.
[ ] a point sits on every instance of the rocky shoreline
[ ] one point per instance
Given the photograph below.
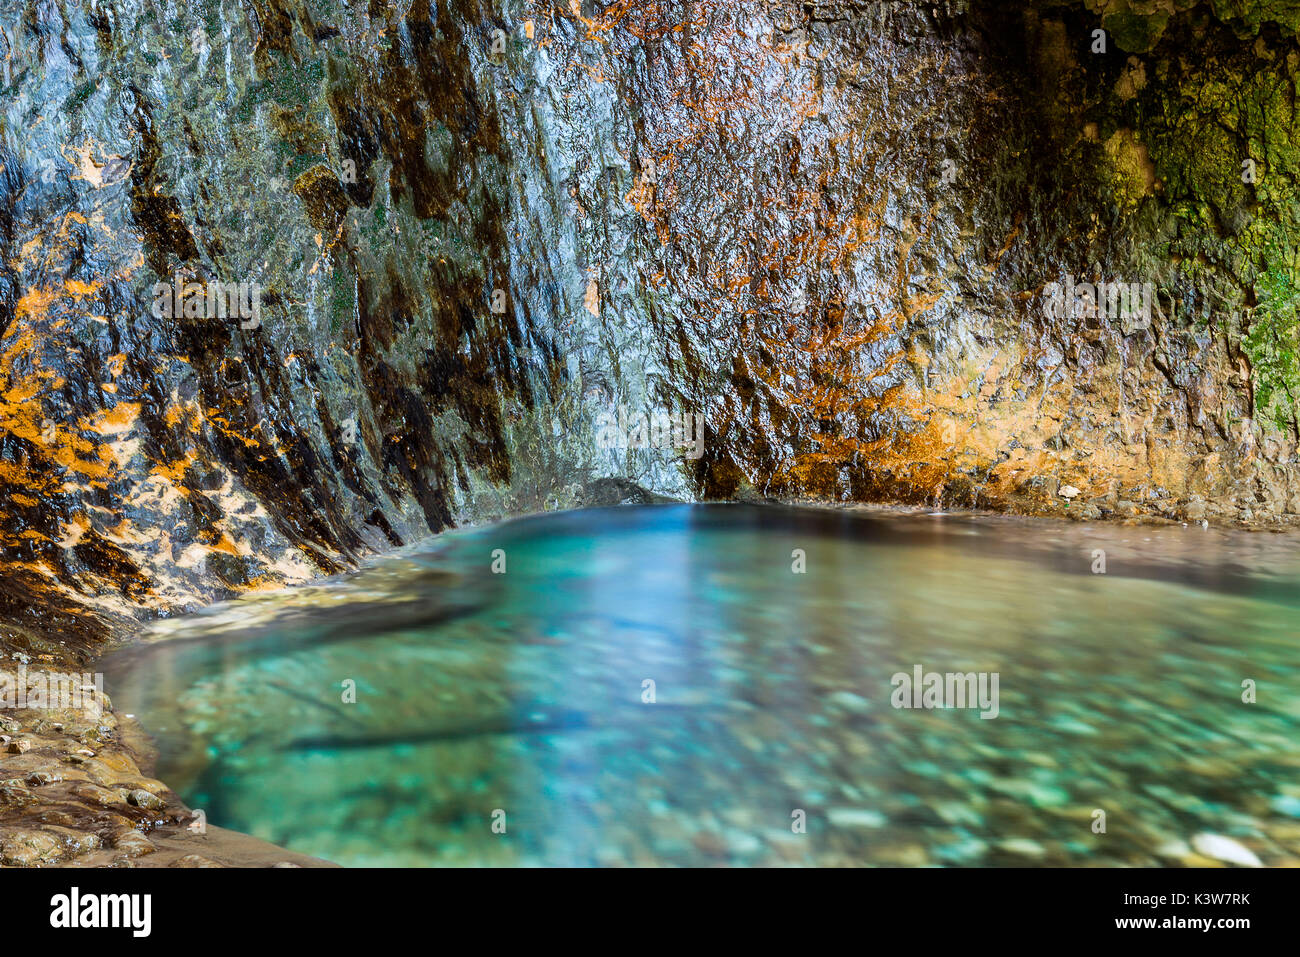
(74, 791)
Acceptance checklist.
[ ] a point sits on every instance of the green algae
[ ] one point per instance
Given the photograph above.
(1224, 142)
(1273, 341)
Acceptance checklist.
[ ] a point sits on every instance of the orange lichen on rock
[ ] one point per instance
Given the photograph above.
(115, 421)
(26, 380)
(174, 472)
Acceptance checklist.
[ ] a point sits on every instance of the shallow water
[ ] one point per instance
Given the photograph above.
(520, 698)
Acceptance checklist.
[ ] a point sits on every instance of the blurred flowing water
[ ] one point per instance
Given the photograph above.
(521, 697)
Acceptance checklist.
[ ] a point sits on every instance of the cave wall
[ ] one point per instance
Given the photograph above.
(866, 315)
(388, 185)
(481, 230)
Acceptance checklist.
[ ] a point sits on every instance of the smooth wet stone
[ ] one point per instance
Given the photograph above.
(14, 794)
(742, 843)
(1225, 849)
(94, 794)
(72, 836)
(855, 704)
(953, 812)
(26, 846)
(1037, 795)
(789, 848)
(901, 855)
(1286, 804)
(109, 768)
(58, 816)
(1212, 768)
(32, 762)
(1022, 847)
(132, 843)
(710, 843)
(855, 817)
(962, 852)
(1073, 726)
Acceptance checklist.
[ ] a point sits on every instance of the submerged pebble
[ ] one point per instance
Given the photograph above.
(1224, 849)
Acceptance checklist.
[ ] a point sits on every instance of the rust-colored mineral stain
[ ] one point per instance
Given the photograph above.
(115, 421)
(174, 472)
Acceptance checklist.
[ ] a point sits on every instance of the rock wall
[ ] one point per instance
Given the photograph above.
(866, 309)
(488, 238)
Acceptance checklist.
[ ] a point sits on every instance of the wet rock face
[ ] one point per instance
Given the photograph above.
(348, 171)
(865, 308)
(859, 218)
(286, 282)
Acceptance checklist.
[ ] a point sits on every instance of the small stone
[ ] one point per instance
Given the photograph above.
(132, 843)
(20, 746)
(62, 821)
(743, 843)
(1039, 795)
(1174, 850)
(97, 795)
(13, 794)
(710, 843)
(790, 848)
(1222, 848)
(198, 860)
(1068, 491)
(142, 798)
(109, 768)
(1072, 726)
(1023, 847)
(27, 846)
(970, 849)
(902, 855)
(1286, 804)
(958, 812)
(855, 817)
(847, 700)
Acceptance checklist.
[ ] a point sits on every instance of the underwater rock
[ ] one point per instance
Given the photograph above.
(1224, 849)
